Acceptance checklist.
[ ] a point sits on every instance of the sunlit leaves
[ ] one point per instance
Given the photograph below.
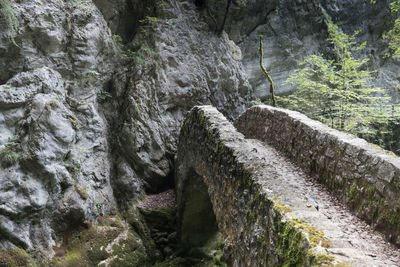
(337, 91)
(393, 35)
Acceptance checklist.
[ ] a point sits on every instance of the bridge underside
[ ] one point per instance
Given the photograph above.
(198, 224)
(268, 211)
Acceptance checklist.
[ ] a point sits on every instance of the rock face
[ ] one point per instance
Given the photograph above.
(294, 29)
(54, 151)
(93, 94)
(84, 124)
(180, 64)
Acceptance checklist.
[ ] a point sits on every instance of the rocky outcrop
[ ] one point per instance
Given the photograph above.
(93, 94)
(54, 151)
(294, 29)
(89, 120)
(179, 64)
(363, 176)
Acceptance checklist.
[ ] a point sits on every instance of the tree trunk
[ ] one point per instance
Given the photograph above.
(228, 6)
(271, 88)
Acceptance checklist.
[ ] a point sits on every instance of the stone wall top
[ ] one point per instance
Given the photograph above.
(231, 169)
(260, 200)
(362, 175)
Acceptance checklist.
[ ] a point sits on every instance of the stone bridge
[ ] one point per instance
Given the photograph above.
(279, 188)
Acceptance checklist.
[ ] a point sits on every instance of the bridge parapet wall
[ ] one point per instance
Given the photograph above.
(255, 231)
(362, 175)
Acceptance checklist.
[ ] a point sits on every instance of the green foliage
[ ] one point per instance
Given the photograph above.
(99, 207)
(16, 257)
(103, 96)
(87, 80)
(140, 54)
(290, 245)
(130, 252)
(161, 4)
(315, 236)
(8, 17)
(82, 191)
(149, 20)
(240, 4)
(73, 160)
(72, 259)
(336, 91)
(281, 207)
(322, 259)
(393, 35)
(11, 153)
(126, 51)
(384, 133)
(89, 248)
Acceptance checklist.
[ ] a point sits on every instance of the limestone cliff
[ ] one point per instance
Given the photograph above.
(84, 124)
(293, 29)
(93, 94)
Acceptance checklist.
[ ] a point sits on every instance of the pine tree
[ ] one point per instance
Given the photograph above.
(336, 91)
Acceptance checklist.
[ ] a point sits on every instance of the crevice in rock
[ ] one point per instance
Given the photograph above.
(128, 17)
(167, 183)
(5, 235)
(200, 3)
(263, 22)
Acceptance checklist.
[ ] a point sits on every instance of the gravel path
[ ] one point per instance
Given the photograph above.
(166, 199)
(353, 241)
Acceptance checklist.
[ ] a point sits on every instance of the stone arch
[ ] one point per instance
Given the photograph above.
(197, 223)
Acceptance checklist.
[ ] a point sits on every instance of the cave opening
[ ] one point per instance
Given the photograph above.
(167, 183)
(200, 3)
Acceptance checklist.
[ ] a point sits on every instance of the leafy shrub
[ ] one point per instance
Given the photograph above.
(8, 17)
(11, 153)
(336, 91)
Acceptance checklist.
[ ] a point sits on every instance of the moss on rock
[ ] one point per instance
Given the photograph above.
(16, 257)
(322, 259)
(281, 207)
(316, 237)
(291, 245)
(130, 252)
(73, 258)
(90, 247)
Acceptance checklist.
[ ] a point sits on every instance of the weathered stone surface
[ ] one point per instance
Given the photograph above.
(362, 175)
(55, 165)
(269, 212)
(224, 163)
(294, 29)
(83, 125)
(54, 162)
(63, 36)
(179, 64)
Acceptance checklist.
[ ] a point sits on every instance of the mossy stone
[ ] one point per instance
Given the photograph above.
(16, 257)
